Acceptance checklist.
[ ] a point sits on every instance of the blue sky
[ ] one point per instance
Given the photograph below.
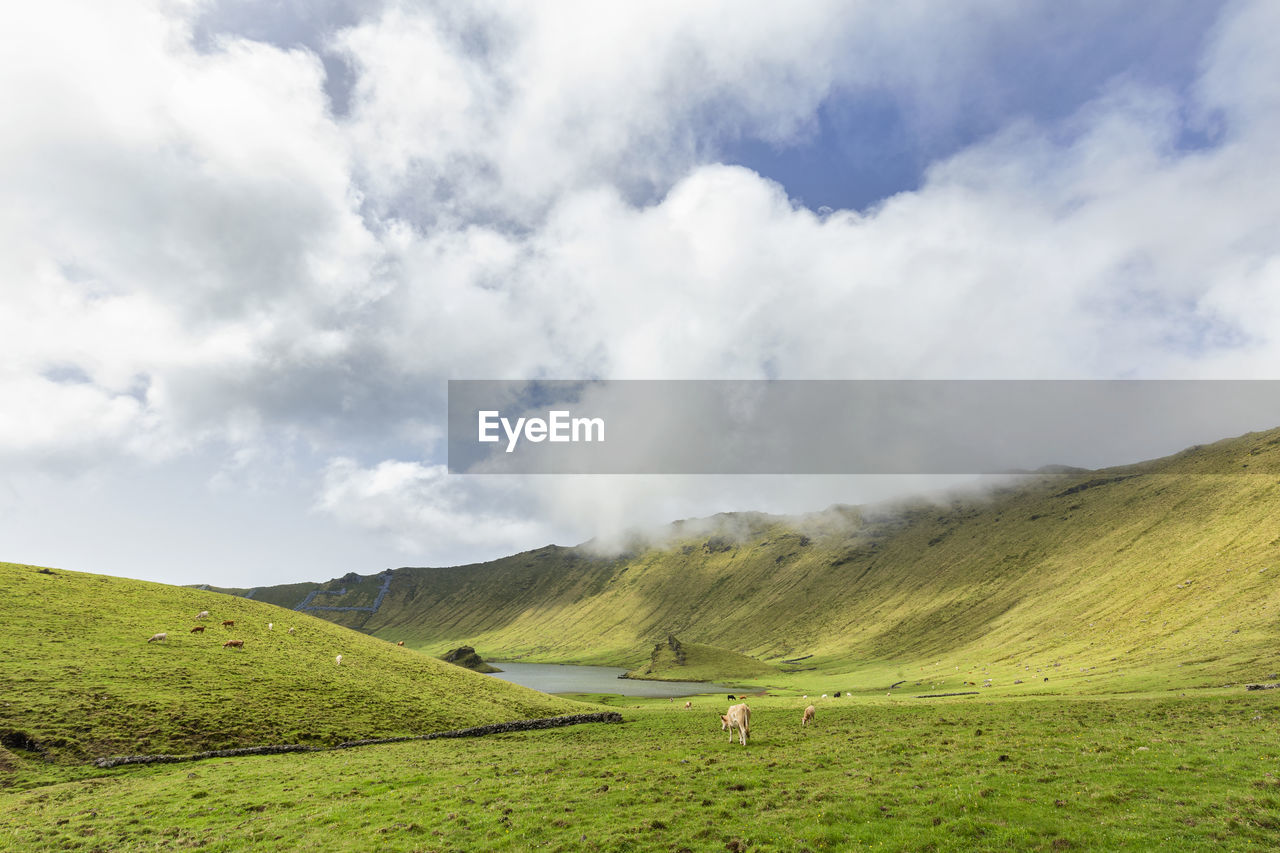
(245, 245)
(866, 144)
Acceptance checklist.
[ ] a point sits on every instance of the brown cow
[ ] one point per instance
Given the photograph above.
(808, 715)
(199, 629)
(229, 623)
(401, 643)
(234, 644)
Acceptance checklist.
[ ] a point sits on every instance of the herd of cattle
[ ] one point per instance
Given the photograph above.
(226, 623)
(738, 718)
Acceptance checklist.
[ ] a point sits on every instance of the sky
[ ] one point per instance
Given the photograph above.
(245, 245)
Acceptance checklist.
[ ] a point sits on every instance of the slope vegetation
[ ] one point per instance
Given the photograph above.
(672, 660)
(81, 680)
(1165, 571)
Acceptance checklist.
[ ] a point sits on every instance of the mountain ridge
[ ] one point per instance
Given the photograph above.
(1068, 564)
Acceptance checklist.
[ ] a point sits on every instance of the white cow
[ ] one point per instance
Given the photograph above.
(738, 717)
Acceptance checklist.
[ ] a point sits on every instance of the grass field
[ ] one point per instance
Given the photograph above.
(80, 681)
(1104, 624)
(1200, 772)
(1130, 759)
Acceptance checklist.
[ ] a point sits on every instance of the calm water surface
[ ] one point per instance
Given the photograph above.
(563, 678)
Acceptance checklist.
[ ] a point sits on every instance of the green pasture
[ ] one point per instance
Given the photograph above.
(1200, 772)
(80, 681)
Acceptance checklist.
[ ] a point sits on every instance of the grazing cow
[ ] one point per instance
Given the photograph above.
(291, 630)
(203, 614)
(158, 638)
(401, 643)
(199, 629)
(338, 660)
(229, 623)
(739, 717)
(233, 644)
(688, 705)
(808, 715)
(733, 698)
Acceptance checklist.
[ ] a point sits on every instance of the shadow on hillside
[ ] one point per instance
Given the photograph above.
(940, 629)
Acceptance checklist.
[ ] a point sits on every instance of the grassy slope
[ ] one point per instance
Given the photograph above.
(81, 680)
(701, 663)
(1087, 571)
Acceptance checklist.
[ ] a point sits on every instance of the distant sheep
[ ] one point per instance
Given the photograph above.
(271, 626)
(808, 715)
(338, 660)
(158, 638)
(401, 643)
(203, 614)
(233, 644)
(738, 717)
(229, 623)
(291, 630)
(199, 629)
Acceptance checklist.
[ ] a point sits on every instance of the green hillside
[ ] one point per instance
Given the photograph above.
(81, 681)
(672, 660)
(1156, 574)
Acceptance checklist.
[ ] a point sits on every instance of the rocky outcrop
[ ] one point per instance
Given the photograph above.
(466, 656)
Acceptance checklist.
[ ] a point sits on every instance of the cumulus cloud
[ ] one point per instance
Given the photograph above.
(180, 226)
(421, 507)
(1100, 246)
(275, 242)
(493, 111)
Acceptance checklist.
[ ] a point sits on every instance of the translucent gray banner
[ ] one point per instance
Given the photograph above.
(840, 426)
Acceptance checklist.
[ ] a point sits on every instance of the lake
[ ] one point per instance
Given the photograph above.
(565, 678)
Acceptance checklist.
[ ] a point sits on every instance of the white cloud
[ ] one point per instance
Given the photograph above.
(198, 255)
(177, 225)
(495, 110)
(1096, 247)
(424, 510)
